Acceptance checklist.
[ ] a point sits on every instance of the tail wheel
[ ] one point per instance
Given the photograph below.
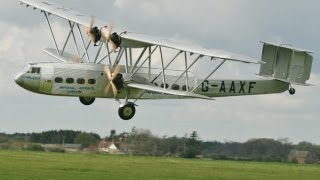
(292, 91)
(86, 100)
(127, 111)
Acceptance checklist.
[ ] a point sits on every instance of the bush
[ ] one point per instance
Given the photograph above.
(34, 147)
(4, 147)
(59, 150)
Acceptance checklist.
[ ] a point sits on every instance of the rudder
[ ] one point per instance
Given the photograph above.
(286, 63)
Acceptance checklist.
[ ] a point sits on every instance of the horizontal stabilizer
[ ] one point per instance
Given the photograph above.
(285, 63)
(66, 57)
(168, 91)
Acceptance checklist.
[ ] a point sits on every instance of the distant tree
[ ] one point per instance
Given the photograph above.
(172, 145)
(192, 146)
(57, 137)
(142, 142)
(265, 150)
(86, 139)
(112, 134)
(34, 147)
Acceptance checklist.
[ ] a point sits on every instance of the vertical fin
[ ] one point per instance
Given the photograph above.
(286, 63)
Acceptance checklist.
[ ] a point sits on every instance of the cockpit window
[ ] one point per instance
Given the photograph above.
(35, 70)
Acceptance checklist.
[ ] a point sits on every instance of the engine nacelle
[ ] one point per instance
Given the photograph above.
(116, 39)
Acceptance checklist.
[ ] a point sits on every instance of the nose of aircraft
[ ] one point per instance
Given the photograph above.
(19, 80)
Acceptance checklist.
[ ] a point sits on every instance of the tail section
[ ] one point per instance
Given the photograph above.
(286, 63)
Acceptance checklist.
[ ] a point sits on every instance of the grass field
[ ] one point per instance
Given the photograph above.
(42, 165)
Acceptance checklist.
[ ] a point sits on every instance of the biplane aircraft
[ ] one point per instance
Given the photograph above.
(117, 74)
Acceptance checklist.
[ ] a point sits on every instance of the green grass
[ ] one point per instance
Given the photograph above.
(42, 165)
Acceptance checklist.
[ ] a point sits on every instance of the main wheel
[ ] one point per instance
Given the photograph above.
(127, 111)
(86, 100)
(292, 91)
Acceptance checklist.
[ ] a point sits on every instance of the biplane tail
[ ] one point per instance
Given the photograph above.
(285, 63)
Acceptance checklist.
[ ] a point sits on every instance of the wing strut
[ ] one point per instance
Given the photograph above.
(98, 53)
(136, 64)
(187, 69)
(162, 67)
(120, 53)
(68, 37)
(138, 60)
(209, 75)
(74, 40)
(186, 72)
(54, 39)
(174, 58)
(83, 44)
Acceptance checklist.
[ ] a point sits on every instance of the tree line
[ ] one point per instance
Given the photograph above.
(65, 137)
(52, 137)
(144, 142)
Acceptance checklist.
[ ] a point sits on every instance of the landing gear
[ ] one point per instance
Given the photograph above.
(86, 100)
(127, 110)
(292, 91)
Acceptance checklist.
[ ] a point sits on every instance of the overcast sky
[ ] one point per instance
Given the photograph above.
(236, 26)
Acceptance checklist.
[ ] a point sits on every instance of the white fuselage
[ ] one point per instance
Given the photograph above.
(90, 80)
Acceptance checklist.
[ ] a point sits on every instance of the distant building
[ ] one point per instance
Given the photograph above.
(66, 147)
(300, 157)
(72, 147)
(110, 147)
(51, 146)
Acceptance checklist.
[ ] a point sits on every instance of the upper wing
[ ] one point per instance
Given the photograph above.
(61, 11)
(134, 40)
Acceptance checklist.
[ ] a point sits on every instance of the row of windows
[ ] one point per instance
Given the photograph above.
(93, 81)
(174, 86)
(72, 80)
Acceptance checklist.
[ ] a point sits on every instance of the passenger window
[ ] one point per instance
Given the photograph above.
(184, 88)
(35, 70)
(92, 81)
(167, 85)
(175, 87)
(69, 80)
(81, 81)
(58, 80)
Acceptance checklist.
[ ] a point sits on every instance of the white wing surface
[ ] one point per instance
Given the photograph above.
(167, 91)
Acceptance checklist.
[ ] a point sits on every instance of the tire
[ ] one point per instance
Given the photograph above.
(86, 100)
(127, 111)
(292, 91)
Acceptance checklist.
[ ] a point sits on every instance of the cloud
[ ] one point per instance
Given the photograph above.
(20, 45)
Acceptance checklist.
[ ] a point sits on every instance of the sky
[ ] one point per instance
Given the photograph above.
(235, 26)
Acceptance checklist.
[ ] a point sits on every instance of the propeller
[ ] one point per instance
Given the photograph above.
(90, 30)
(77, 59)
(106, 32)
(112, 77)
